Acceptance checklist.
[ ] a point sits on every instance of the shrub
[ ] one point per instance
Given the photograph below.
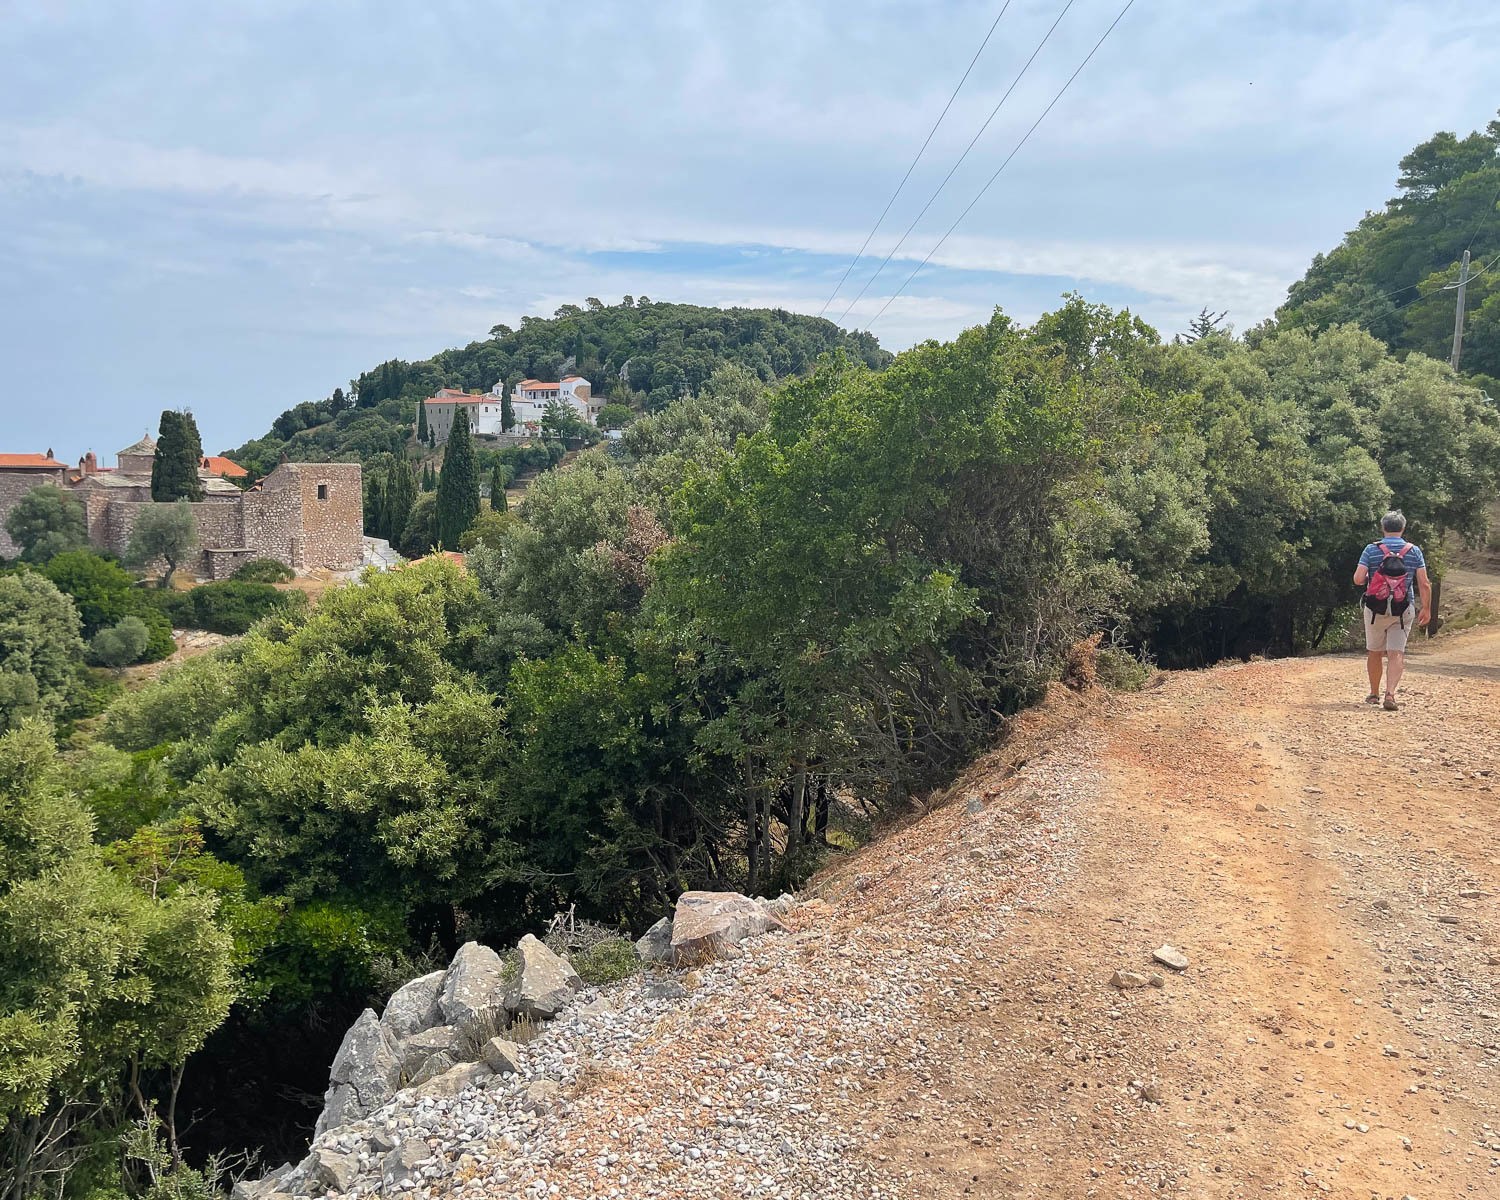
(229, 607)
(264, 570)
(607, 962)
(121, 644)
(1119, 670)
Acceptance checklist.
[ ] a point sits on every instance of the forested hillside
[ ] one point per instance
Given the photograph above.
(1390, 273)
(638, 352)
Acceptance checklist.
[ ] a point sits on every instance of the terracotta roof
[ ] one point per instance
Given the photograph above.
(29, 462)
(537, 386)
(459, 398)
(220, 465)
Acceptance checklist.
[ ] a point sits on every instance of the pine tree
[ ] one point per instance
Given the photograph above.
(458, 484)
(179, 454)
(497, 488)
(400, 495)
(422, 421)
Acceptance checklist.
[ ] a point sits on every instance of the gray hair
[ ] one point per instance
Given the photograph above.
(1393, 521)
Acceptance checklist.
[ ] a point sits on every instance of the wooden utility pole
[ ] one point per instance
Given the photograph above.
(1458, 317)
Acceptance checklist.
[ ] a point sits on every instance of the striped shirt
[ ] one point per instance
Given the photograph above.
(1375, 554)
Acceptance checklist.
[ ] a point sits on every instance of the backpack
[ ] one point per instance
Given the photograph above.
(1388, 589)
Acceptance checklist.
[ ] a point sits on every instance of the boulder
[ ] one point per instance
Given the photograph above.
(454, 1080)
(655, 945)
(265, 1188)
(708, 923)
(364, 1073)
(418, 1048)
(332, 1170)
(433, 1066)
(499, 1055)
(473, 986)
(541, 1095)
(544, 985)
(402, 1168)
(413, 1008)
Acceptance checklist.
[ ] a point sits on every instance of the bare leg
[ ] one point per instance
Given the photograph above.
(1373, 661)
(1394, 670)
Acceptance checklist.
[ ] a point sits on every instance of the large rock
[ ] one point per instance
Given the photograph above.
(402, 1167)
(474, 985)
(500, 1055)
(414, 1006)
(420, 1047)
(364, 1074)
(454, 1080)
(544, 985)
(435, 1065)
(332, 1170)
(655, 945)
(707, 924)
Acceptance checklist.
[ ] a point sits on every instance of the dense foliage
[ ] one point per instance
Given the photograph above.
(179, 454)
(40, 649)
(1389, 273)
(164, 533)
(230, 606)
(638, 353)
(47, 521)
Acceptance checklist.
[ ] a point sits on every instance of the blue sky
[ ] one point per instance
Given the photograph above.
(235, 207)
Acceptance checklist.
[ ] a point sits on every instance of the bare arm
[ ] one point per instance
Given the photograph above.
(1424, 589)
(1361, 573)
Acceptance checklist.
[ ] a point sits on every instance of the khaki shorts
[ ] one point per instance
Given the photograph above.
(1383, 633)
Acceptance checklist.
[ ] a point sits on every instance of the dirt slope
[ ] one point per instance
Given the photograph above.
(940, 1021)
(1331, 872)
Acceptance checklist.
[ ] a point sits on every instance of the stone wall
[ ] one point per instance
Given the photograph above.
(14, 485)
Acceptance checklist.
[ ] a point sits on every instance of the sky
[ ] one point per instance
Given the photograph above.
(235, 207)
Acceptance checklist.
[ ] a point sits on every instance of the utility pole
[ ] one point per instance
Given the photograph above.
(1458, 317)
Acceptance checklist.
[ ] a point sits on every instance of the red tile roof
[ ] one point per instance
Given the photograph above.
(220, 465)
(30, 461)
(536, 385)
(458, 398)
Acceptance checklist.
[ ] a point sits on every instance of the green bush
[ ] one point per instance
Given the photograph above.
(1121, 671)
(608, 961)
(228, 607)
(121, 644)
(264, 570)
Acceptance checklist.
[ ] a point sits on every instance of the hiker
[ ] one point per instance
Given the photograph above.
(1386, 571)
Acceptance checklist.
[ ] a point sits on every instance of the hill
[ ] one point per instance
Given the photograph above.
(639, 352)
(1389, 273)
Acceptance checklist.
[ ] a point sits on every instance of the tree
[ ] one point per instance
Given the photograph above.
(47, 521)
(1205, 323)
(104, 981)
(40, 648)
(375, 523)
(179, 455)
(422, 422)
(420, 533)
(163, 531)
(400, 495)
(507, 412)
(338, 402)
(498, 478)
(121, 644)
(458, 484)
(615, 416)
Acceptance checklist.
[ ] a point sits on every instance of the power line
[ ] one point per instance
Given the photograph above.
(886, 210)
(1000, 169)
(959, 163)
(1484, 218)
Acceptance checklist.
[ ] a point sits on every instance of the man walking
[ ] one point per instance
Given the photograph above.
(1387, 570)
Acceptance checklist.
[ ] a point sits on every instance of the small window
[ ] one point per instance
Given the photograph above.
(322, 491)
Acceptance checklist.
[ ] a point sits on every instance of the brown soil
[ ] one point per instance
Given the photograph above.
(1331, 872)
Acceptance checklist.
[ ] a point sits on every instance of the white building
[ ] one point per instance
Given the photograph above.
(528, 399)
(483, 412)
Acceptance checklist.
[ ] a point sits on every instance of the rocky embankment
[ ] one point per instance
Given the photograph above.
(448, 1084)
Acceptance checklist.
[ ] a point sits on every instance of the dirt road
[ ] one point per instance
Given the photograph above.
(1331, 872)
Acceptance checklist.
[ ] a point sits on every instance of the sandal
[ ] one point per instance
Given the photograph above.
(1373, 698)
(1390, 703)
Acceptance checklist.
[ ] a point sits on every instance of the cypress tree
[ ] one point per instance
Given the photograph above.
(179, 454)
(422, 421)
(497, 488)
(375, 508)
(458, 484)
(400, 495)
(507, 412)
